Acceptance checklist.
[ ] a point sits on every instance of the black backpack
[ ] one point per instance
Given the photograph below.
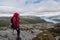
(12, 23)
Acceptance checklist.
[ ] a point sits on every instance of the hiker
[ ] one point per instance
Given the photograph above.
(15, 23)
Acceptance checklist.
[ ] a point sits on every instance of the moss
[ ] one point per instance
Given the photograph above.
(41, 36)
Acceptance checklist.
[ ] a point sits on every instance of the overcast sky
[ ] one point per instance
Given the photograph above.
(31, 7)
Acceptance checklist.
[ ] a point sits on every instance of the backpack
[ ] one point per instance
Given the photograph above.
(15, 23)
(12, 23)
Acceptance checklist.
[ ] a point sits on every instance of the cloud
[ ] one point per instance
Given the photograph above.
(46, 7)
(12, 3)
(57, 0)
(32, 7)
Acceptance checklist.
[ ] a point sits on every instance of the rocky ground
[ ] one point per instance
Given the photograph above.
(27, 32)
(25, 35)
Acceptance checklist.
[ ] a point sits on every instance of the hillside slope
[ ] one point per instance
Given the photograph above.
(5, 21)
(31, 19)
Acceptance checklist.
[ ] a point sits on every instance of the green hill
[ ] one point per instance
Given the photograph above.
(31, 20)
(5, 21)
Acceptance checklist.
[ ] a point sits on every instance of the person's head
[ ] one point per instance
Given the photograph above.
(16, 14)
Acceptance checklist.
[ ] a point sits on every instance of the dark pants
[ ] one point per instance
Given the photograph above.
(17, 29)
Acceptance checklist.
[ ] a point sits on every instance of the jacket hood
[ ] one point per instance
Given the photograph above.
(16, 14)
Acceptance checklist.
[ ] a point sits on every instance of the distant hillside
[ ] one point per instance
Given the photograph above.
(55, 18)
(5, 21)
(31, 19)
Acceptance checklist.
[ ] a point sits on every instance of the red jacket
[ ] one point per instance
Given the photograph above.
(15, 20)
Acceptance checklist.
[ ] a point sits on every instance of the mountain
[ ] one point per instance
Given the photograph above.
(31, 19)
(5, 21)
(54, 19)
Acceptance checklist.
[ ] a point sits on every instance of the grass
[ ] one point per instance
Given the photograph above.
(5, 21)
(31, 21)
(55, 33)
(41, 36)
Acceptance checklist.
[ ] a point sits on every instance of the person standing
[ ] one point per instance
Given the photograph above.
(15, 23)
